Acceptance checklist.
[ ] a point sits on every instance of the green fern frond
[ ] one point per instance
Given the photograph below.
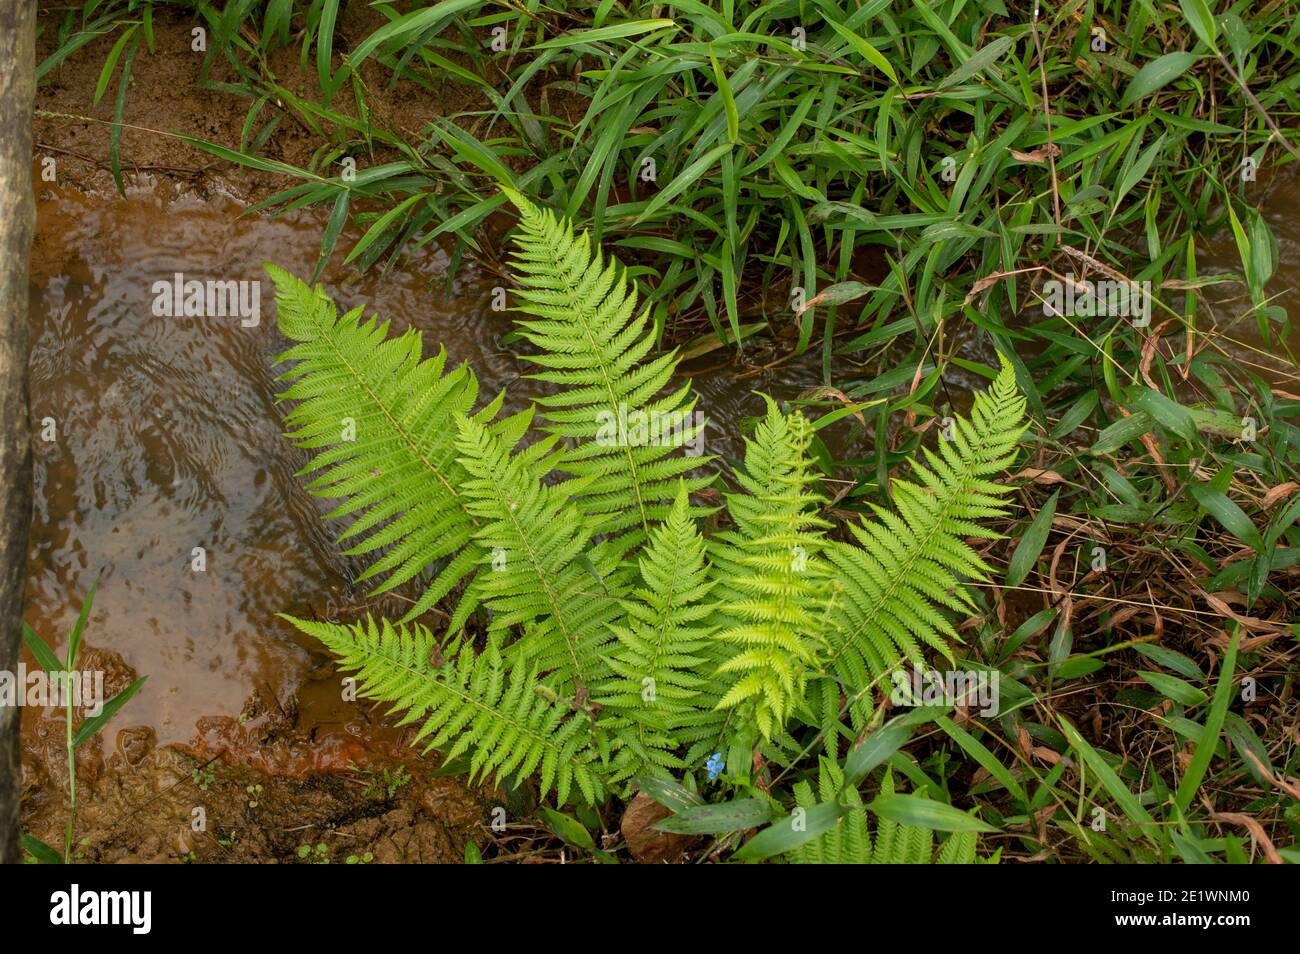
(542, 571)
(467, 703)
(850, 842)
(614, 407)
(905, 565)
(379, 421)
(776, 591)
(660, 695)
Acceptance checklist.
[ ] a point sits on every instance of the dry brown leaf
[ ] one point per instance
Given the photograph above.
(1220, 606)
(1039, 155)
(1256, 832)
(1038, 476)
(1277, 493)
(647, 845)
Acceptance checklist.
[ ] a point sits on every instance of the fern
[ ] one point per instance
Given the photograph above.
(850, 842)
(776, 594)
(620, 641)
(660, 691)
(904, 565)
(468, 703)
(582, 310)
(379, 420)
(544, 573)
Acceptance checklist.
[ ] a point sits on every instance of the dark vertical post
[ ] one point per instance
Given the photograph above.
(17, 222)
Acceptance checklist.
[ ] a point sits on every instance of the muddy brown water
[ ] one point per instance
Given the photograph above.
(1226, 309)
(167, 438)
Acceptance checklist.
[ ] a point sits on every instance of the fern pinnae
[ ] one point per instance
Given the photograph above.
(396, 473)
(467, 703)
(536, 544)
(850, 841)
(593, 344)
(775, 596)
(903, 565)
(656, 696)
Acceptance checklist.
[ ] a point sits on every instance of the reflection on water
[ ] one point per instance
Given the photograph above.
(1226, 309)
(166, 439)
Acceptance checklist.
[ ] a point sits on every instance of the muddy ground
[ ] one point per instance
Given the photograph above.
(165, 97)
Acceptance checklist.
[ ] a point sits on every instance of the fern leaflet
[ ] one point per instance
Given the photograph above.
(467, 703)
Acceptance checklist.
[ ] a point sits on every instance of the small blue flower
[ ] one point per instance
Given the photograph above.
(715, 765)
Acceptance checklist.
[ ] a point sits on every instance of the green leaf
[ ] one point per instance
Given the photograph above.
(1238, 37)
(1213, 725)
(1121, 432)
(119, 109)
(1167, 413)
(1228, 514)
(1159, 72)
(1076, 667)
(1030, 627)
(728, 100)
(41, 650)
(980, 60)
(325, 47)
(978, 751)
(1245, 740)
(40, 850)
(926, 813)
(738, 815)
(615, 31)
(865, 50)
(381, 226)
(1201, 19)
(93, 725)
(1031, 544)
(1191, 851)
(874, 750)
(840, 293)
(1111, 782)
(88, 35)
(1134, 172)
(251, 161)
(1175, 688)
(1171, 660)
(106, 73)
(413, 24)
(79, 627)
(330, 237)
(684, 179)
(668, 793)
(801, 827)
(474, 152)
(570, 829)
(1076, 415)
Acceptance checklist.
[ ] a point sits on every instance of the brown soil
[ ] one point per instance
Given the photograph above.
(165, 97)
(164, 806)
